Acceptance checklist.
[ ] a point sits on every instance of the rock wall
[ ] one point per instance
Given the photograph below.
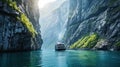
(94, 22)
(19, 25)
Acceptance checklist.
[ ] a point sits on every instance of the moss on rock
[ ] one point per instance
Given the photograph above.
(117, 44)
(111, 2)
(28, 24)
(88, 41)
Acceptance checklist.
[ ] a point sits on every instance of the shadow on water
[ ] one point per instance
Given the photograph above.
(20, 59)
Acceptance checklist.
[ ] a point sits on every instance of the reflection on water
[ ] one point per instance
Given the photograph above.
(54, 59)
(84, 59)
(15, 59)
(61, 58)
(70, 58)
(20, 59)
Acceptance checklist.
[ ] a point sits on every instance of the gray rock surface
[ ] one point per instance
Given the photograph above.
(14, 35)
(94, 16)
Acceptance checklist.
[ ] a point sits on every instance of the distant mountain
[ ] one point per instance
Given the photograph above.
(52, 20)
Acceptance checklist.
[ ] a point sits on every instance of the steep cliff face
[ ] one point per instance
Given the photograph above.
(19, 25)
(94, 24)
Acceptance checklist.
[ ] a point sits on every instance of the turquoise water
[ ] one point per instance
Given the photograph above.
(69, 58)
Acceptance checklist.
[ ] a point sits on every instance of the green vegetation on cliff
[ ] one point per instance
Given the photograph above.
(88, 41)
(28, 24)
(22, 17)
(13, 4)
(117, 44)
(111, 2)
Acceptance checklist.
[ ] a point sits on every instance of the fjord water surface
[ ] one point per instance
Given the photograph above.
(69, 58)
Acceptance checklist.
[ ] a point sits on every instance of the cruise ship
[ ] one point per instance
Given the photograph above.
(60, 47)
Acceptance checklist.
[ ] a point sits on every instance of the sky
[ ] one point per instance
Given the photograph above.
(43, 3)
